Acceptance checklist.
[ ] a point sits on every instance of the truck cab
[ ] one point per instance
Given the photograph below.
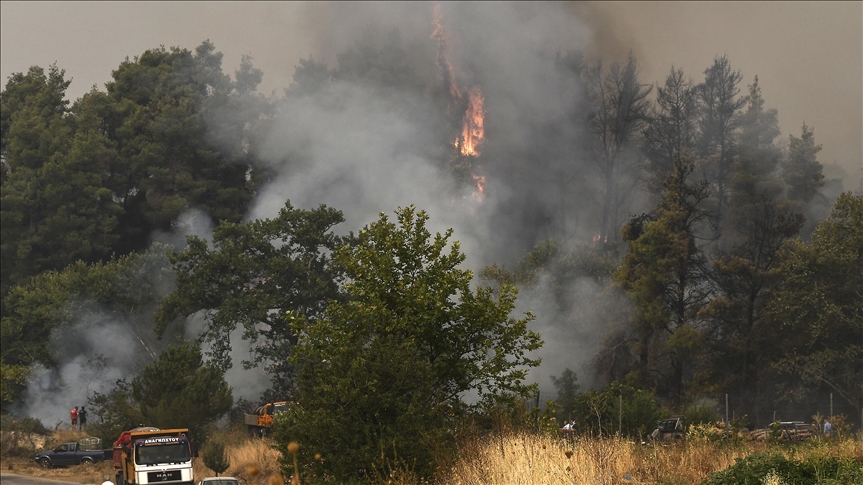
(149, 455)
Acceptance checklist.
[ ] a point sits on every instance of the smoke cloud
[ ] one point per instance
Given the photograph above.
(365, 148)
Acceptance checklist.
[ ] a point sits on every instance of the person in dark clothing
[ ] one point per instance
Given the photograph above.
(82, 417)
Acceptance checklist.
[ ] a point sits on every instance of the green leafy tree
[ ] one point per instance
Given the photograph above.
(740, 332)
(254, 275)
(179, 390)
(383, 375)
(116, 411)
(186, 136)
(51, 302)
(818, 304)
(13, 381)
(664, 274)
(55, 208)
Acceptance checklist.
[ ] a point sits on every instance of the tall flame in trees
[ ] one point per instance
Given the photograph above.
(473, 132)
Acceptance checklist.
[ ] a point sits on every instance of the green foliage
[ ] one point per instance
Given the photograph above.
(179, 390)
(13, 381)
(567, 389)
(19, 435)
(599, 412)
(55, 208)
(52, 302)
(215, 457)
(717, 127)
(257, 274)
(171, 132)
(117, 412)
(754, 469)
(818, 304)
(701, 414)
(737, 316)
(382, 375)
(803, 170)
(664, 275)
(25, 425)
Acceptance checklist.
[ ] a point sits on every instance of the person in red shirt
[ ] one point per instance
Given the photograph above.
(74, 415)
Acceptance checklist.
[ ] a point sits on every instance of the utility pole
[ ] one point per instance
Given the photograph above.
(620, 416)
(726, 416)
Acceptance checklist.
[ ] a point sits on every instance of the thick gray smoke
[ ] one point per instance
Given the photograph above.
(365, 148)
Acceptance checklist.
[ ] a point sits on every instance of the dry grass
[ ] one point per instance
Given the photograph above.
(253, 460)
(500, 460)
(519, 458)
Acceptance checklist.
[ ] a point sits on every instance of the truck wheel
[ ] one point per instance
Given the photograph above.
(45, 462)
(86, 460)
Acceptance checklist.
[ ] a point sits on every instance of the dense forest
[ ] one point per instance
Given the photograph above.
(670, 228)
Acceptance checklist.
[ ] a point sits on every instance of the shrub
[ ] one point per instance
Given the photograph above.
(700, 414)
(755, 469)
(215, 457)
(21, 436)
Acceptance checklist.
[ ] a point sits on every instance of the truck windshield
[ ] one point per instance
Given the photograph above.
(279, 408)
(161, 454)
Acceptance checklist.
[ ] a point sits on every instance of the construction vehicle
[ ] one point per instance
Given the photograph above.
(260, 422)
(151, 455)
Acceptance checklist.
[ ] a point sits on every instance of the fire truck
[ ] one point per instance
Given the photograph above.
(151, 455)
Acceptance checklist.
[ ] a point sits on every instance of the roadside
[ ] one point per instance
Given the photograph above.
(84, 474)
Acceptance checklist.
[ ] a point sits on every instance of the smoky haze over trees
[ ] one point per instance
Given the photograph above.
(660, 235)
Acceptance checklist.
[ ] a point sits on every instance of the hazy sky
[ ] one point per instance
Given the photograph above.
(808, 55)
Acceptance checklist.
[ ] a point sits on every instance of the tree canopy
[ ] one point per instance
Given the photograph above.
(383, 375)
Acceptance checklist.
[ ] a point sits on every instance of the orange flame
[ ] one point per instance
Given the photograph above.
(479, 181)
(472, 132)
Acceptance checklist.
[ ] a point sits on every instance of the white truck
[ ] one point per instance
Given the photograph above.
(151, 455)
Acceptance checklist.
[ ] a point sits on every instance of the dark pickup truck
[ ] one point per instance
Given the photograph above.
(69, 454)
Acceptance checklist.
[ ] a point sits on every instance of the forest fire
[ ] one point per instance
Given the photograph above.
(473, 131)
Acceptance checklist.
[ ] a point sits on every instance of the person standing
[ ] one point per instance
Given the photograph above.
(828, 428)
(73, 414)
(82, 417)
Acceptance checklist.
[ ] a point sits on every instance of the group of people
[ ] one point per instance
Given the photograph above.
(79, 418)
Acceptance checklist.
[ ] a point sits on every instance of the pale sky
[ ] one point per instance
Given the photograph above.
(808, 55)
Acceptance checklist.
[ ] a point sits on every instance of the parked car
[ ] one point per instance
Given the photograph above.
(69, 454)
(219, 481)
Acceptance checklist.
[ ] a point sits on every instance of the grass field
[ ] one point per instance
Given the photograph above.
(507, 460)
